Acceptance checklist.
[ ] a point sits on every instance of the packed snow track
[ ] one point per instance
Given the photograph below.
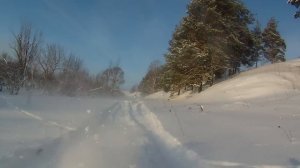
(126, 135)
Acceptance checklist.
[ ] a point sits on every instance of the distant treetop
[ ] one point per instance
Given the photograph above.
(296, 3)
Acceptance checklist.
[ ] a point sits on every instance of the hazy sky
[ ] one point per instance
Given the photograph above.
(133, 32)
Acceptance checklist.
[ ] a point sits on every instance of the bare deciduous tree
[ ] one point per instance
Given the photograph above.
(9, 76)
(69, 78)
(26, 47)
(50, 61)
(111, 79)
(151, 81)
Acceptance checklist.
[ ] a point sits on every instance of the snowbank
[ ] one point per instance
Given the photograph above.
(267, 81)
(158, 95)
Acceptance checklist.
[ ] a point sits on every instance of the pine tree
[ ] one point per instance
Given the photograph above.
(208, 34)
(213, 37)
(258, 45)
(240, 41)
(274, 45)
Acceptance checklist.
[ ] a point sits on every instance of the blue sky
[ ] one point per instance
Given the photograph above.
(132, 32)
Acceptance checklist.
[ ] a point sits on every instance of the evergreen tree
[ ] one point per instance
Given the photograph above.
(240, 41)
(274, 45)
(213, 37)
(207, 24)
(258, 45)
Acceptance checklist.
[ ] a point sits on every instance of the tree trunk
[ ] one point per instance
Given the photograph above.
(200, 88)
(212, 78)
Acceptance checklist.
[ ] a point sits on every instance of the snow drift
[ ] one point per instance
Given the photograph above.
(267, 81)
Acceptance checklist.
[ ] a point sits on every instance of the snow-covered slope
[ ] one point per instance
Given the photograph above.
(132, 94)
(266, 81)
(251, 120)
(158, 95)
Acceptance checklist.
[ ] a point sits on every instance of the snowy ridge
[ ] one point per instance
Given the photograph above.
(264, 82)
(158, 95)
(270, 81)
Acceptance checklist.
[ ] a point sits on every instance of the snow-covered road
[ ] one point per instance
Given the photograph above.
(126, 135)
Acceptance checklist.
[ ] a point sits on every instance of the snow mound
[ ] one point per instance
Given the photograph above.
(268, 81)
(132, 94)
(158, 95)
(265, 82)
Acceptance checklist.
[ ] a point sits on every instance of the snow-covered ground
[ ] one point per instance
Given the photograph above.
(251, 120)
(30, 121)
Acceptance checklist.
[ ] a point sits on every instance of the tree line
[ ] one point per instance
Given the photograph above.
(51, 69)
(213, 41)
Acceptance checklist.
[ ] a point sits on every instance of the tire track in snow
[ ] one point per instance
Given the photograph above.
(49, 154)
(159, 149)
(171, 152)
(38, 118)
(46, 122)
(170, 149)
